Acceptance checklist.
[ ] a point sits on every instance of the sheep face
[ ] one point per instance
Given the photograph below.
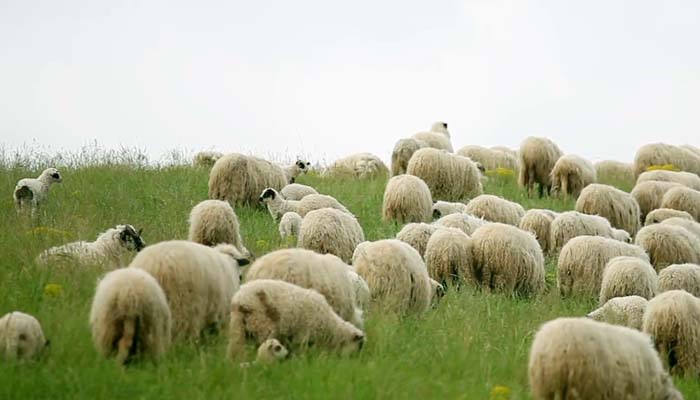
(268, 195)
(52, 175)
(131, 239)
(354, 343)
(439, 126)
(303, 166)
(274, 348)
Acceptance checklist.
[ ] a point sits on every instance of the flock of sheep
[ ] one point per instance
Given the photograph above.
(638, 253)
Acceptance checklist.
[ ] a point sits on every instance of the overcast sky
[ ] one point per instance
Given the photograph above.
(331, 78)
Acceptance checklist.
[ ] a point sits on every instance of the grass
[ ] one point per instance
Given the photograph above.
(471, 346)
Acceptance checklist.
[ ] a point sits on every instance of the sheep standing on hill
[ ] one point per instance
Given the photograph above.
(407, 199)
(442, 208)
(668, 244)
(403, 151)
(32, 192)
(361, 165)
(618, 207)
(495, 209)
(627, 276)
(683, 199)
(328, 230)
(571, 224)
(290, 225)
(571, 174)
(206, 159)
(680, 277)
(437, 138)
(448, 257)
(661, 214)
(297, 191)
(21, 337)
(625, 311)
(539, 222)
(649, 195)
(490, 159)
(537, 158)
(417, 235)
(214, 222)
(660, 154)
(687, 179)
(450, 177)
(609, 171)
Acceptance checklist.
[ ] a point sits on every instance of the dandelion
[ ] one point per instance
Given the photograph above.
(53, 290)
(500, 393)
(665, 167)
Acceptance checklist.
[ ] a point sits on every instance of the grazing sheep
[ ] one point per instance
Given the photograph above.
(198, 282)
(495, 209)
(627, 276)
(611, 203)
(691, 148)
(437, 138)
(571, 224)
(361, 165)
(407, 199)
(417, 235)
(583, 259)
(450, 177)
(650, 194)
(571, 174)
(448, 257)
(277, 206)
(271, 309)
(362, 295)
(214, 222)
(442, 208)
(290, 224)
(684, 178)
(327, 274)
(578, 358)
(328, 230)
(403, 151)
(130, 316)
(625, 311)
(683, 199)
(672, 319)
(689, 224)
(537, 158)
(206, 159)
(539, 222)
(467, 223)
(21, 337)
(318, 201)
(506, 149)
(270, 352)
(110, 250)
(680, 277)
(396, 276)
(490, 159)
(656, 154)
(297, 191)
(661, 214)
(507, 260)
(669, 244)
(609, 171)
(32, 192)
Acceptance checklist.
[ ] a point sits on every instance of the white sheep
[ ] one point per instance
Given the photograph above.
(680, 277)
(627, 276)
(206, 158)
(495, 209)
(571, 174)
(277, 205)
(214, 222)
(467, 223)
(21, 337)
(683, 199)
(32, 192)
(361, 165)
(448, 257)
(328, 230)
(669, 244)
(689, 224)
(571, 224)
(539, 222)
(649, 195)
(438, 137)
(290, 224)
(450, 177)
(490, 159)
(442, 208)
(407, 199)
(625, 311)
(417, 235)
(661, 154)
(611, 203)
(687, 179)
(661, 214)
(403, 150)
(297, 191)
(537, 156)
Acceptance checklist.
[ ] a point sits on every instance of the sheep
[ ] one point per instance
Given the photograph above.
(680, 277)
(407, 199)
(662, 214)
(130, 317)
(450, 177)
(611, 203)
(669, 244)
(683, 199)
(290, 224)
(582, 261)
(691, 148)
(467, 223)
(689, 224)
(266, 309)
(32, 192)
(417, 235)
(539, 222)
(672, 319)
(578, 358)
(270, 352)
(110, 250)
(625, 311)
(277, 205)
(507, 260)
(656, 154)
(627, 276)
(403, 151)
(571, 224)
(571, 174)
(317, 201)
(686, 179)
(206, 159)
(537, 156)
(438, 137)
(490, 159)
(650, 194)
(609, 171)
(213, 222)
(448, 257)
(328, 230)
(442, 208)
(506, 149)
(297, 191)
(198, 282)
(327, 274)
(361, 165)
(362, 295)
(495, 209)
(396, 275)
(21, 337)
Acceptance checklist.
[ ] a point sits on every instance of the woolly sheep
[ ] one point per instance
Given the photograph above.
(680, 277)
(407, 199)
(270, 352)
(32, 192)
(625, 311)
(627, 276)
(508, 260)
(271, 309)
(316, 202)
(537, 156)
(691, 148)
(417, 235)
(618, 207)
(491, 159)
(609, 171)
(297, 191)
(362, 295)
(571, 224)
(656, 154)
(21, 337)
(198, 282)
(583, 259)
(689, 224)
(277, 205)
(206, 158)
(214, 222)
(662, 214)
(571, 174)
(650, 194)
(450, 177)
(506, 149)
(467, 223)
(327, 274)
(668, 244)
(437, 138)
(539, 222)
(578, 358)
(110, 250)
(684, 178)
(403, 151)
(683, 199)
(290, 224)
(328, 230)
(495, 209)
(448, 257)
(442, 208)
(672, 319)
(130, 316)
(361, 165)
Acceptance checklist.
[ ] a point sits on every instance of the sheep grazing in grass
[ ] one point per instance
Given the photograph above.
(450, 177)
(650, 194)
(448, 257)
(672, 319)
(277, 205)
(214, 222)
(661, 214)
(583, 259)
(21, 337)
(539, 222)
(571, 174)
(442, 208)
(297, 191)
(110, 250)
(571, 224)
(506, 149)
(490, 159)
(467, 223)
(628, 276)
(625, 311)
(683, 199)
(130, 317)
(495, 209)
(403, 151)
(537, 158)
(680, 277)
(271, 351)
(609, 172)
(361, 165)
(407, 199)
(417, 235)
(206, 159)
(687, 179)
(654, 155)
(32, 192)
(328, 230)
(578, 358)
(693, 149)
(689, 224)
(668, 244)
(266, 309)
(618, 207)
(318, 201)
(437, 138)
(290, 224)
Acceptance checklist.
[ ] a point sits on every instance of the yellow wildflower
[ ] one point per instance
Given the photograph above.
(500, 393)
(53, 290)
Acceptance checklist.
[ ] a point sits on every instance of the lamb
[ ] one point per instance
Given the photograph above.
(448, 257)
(683, 199)
(650, 194)
(417, 235)
(437, 138)
(662, 214)
(21, 337)
(110, 250)
(495, 209)
(328, 230)
(669, 244)
(578, 358)
(687, 179)
(491, 159)
(271, 309)
(277, 205)
(571, 224)
(467, 223)
(407, 199)
(582, 261)
(361, 165)
(130, 317)
(214, 222)
(507, 260)
(198, 282)
(656, 154)
(450, 177)
(680, 277)
(206, 159)
(289, 226)
(32, 192)
(672, 319)
(609, 172)
(442, 208)
(537, 158)
(625, 311)
(270, 352)
(627, 276)
(571, 174)
(618, 207)
(403, 151)
(297, 191)
(539, 222)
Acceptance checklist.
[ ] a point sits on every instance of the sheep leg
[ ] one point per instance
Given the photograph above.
(237, 336)
(126, 342)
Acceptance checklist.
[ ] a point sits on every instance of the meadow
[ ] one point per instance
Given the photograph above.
(470, 346)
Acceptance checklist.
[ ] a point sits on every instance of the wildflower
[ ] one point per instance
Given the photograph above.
(500, 393)
(262, 244)
(53, 290)
(665, 167)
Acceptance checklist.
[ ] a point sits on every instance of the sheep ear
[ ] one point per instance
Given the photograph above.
(358, 338)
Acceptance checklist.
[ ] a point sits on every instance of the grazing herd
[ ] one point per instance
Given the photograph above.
(636, 253)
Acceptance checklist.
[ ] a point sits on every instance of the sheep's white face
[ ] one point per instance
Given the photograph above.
(274, 348)
(53, 175)
(131, 239)
(439, 127)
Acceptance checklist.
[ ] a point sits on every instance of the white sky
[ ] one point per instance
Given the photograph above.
(328, 78)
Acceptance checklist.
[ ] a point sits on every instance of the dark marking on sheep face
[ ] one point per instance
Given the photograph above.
(270, 311)
(437, 214)
(268, 193)
(242, 262)
(444, 124)
(131, 238)
(301, 165)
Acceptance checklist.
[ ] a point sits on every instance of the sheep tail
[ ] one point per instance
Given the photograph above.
(127, 343)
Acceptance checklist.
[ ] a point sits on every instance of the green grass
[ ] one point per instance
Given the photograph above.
(466, 346)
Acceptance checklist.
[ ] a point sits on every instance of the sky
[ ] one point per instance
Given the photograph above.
(330, 78)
